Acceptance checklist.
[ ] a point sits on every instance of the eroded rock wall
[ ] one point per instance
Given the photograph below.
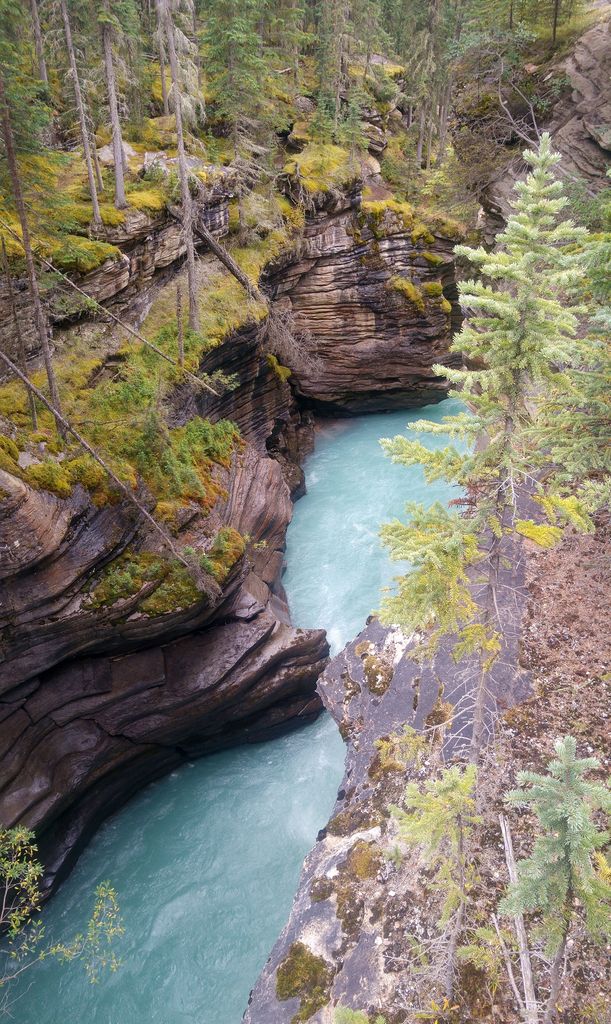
(374, 348)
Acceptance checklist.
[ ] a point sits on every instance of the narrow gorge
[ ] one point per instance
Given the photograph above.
(205, 702)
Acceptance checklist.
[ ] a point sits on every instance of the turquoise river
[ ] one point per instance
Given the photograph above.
(206, 861)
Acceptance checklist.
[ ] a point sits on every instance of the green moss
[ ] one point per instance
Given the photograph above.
(409, 290)
(350, 905)
(74, 253)
(321, 889)
(177, 590)
(228, 546)
(281, 372)
(420, 233)
(49, 476)
(397, 751)
(130, 573)
(304, 976)
(375, 212)
(441, 713)
(363, 861)
(378, 674)
(433, 258)
(446, 227)
(433, 289)
(322, 166)
(86, 471)
(351, 820)
(149, 200)
(446, 306)
(9, 447)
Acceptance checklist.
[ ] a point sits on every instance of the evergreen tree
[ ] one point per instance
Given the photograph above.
(440, 817)
(237, 65)
(21, 118)
(520, 329)
(40, 53)
(560, 876)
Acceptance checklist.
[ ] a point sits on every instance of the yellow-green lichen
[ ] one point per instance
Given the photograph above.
(363, 861)
(420, 233)
(433, 289)
(397, 751)
(433, 258)
(303, 975)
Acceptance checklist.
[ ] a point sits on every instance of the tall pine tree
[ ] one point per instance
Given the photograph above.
(521, 327)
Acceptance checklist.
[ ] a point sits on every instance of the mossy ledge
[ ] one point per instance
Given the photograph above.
(304, 976)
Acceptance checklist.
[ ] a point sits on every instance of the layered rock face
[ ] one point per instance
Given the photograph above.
(96, 701)
(375, 347)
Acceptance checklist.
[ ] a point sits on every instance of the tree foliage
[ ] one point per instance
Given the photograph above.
(561, 869)
(20, 898)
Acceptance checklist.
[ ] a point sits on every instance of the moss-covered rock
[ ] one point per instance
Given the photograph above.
(321, 889)
(321, 167)
(281, 372)
(410, 291)
(304, 976)
(378, 674)
(363, 861)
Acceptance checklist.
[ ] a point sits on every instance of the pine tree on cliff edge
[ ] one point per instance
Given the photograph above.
(520, 329)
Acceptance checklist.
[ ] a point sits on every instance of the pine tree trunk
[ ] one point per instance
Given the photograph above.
(164, 87)
(179, 327)
(164, 84)
(460, 915)
(39, 315)
(117, 140)
(40, 53)
(555, 20)
(80, 107)
(555, 980)
(183, 173)
(96, 166)
(443, 120)
(20, 345)
(420, 145)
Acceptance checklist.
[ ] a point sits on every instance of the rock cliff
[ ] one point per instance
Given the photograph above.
(579, 123)
(375, 342)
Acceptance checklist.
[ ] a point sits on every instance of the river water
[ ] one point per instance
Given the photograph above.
(206, 861)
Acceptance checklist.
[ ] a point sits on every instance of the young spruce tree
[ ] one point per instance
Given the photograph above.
(520, 328)
(559, 875)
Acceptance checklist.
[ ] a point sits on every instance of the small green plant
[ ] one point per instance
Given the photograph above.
(345, 1016)
(20, 898)
(439, 817)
